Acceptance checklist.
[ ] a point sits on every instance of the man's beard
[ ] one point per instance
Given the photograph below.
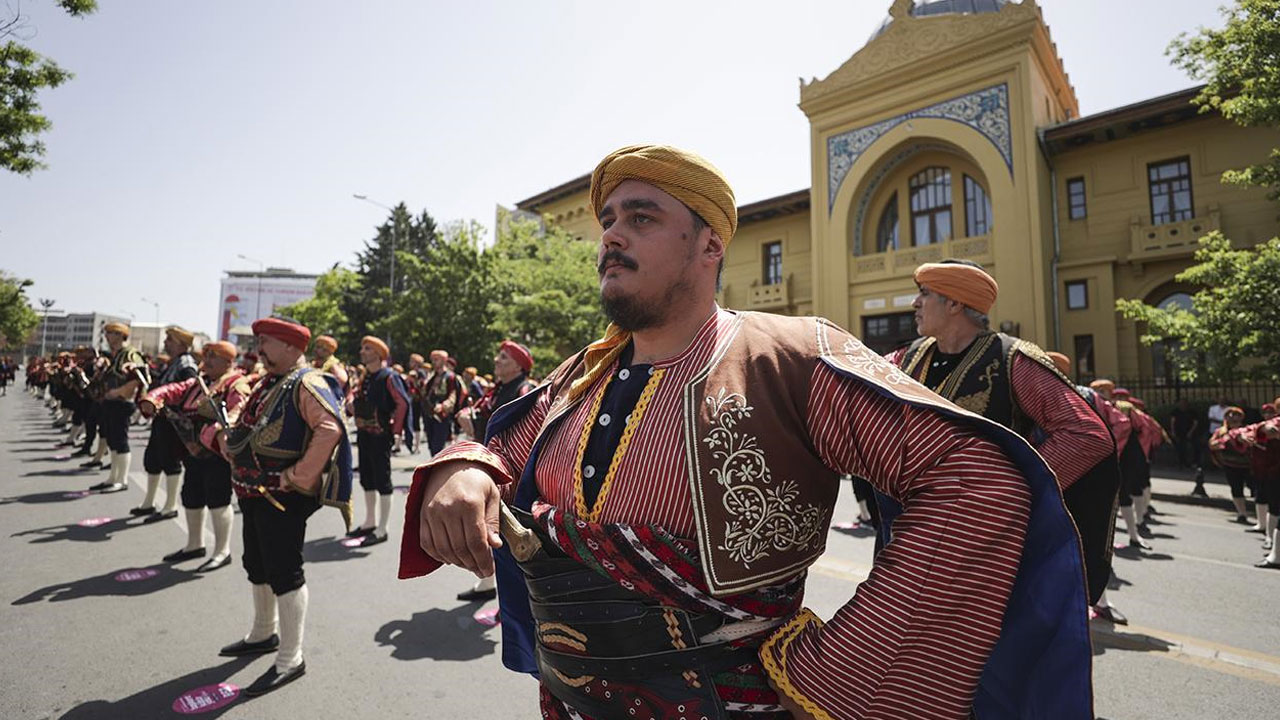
(632, 313)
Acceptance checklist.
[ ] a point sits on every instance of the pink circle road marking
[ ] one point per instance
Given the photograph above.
(352, 542)
(94, 522)
(487, 617)
(135, 575)
(205, 699)
(76, 494)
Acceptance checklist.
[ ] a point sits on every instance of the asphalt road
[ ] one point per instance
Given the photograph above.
(84, 637)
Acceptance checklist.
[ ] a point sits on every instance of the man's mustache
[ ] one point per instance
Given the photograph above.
(615, 256)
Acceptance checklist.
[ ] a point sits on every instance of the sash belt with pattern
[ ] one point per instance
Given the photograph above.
(609, 651)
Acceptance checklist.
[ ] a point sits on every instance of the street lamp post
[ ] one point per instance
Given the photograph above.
(366, 198)
(45, 303)
(262, 268)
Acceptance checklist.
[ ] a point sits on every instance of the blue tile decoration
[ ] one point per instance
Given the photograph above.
(986, 111)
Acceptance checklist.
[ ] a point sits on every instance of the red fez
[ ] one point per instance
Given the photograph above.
(377, 344)
(519, 353)
(283, 330)
(1120, 393)
(1268, 407)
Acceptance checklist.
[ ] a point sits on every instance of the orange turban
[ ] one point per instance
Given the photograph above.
(1062, 362)
(683, 175)
(182, 335)
(327, 342)
(377, 344)
(222, 349)
(439, 354)
(415, 357)
(965, 284)
(116, 327)
(1102, 384)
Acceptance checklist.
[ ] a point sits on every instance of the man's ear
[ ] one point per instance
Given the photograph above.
(713, 250)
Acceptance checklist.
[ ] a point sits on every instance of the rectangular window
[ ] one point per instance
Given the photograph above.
(1170, 185)
(883, 333)
(1084, 357)
(1077, 294)
(1075, 199)
(773, 262)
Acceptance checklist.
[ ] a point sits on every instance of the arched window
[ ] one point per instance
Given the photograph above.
(887, 230)
(977, 209)
(1165, 356)
(930, 206)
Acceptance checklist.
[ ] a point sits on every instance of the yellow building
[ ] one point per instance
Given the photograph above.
(955, 132)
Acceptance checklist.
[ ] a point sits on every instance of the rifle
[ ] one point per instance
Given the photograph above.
(219, 406)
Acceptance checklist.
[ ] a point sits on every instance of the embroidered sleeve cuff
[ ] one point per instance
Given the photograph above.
(773, 655)
(414, 562)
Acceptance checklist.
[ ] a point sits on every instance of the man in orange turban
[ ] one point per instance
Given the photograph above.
(1013, 382)
(380, 405)
(442, 396)
(325, 360)
(635, 441)
(165, 451)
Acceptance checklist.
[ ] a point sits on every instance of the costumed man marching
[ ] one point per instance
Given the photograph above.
(123, 379)
(197, 408)
(442, 397)
(325, 361)
(511, 366)
(289, 454)
(682, 472)
(1013, 382)
(380, 407)
(165, 450)
(1118, 424)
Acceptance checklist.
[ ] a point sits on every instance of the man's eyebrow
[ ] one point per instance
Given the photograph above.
(633, 204)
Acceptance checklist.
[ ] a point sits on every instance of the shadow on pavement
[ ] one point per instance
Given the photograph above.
(438, 634)
(1129, 553)
(77, 533)
(158, 701)
(330, 550)
(64, 472)
(858, 531)
(40, 498)
(107, 585)
(1110, 637)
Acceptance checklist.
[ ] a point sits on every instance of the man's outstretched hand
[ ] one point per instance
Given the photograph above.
(459, 520)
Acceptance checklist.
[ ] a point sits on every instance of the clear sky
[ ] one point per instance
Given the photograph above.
(194, 132)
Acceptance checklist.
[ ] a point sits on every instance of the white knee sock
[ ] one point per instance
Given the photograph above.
(384, 513)
(1272, 522)
(1130, 520)
(370, 507)
(101, 450)
(1102, 601)
(485, 583)
(264, 614)
(77, 431)
(222, 518)
(1140, 503)
(195, 528)
(124, 459)
(171, 483)
(153, 484)
(1260, 509)
(863, 512)
(293, 615)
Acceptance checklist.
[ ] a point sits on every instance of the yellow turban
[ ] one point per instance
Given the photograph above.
(965, 284)
(687, 177)
(377, 344)
(1062, 362)
(116, 327)
(182, 335)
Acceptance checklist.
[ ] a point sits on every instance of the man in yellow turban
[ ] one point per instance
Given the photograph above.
(732, 430)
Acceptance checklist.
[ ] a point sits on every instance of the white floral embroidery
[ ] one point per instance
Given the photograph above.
(762, 513)
(866, 362)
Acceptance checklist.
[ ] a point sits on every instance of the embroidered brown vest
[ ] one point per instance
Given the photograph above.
(762, 498)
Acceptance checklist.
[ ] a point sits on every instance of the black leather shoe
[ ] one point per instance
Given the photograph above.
(184, 555)
(372, 539)
(139, 511)
(158, 516)
(214, 563)
(1267, 565)
(94, 464)
(272, 679)
(1139, 545)
(478, 595)
(1111, 615)
(359, 532)
(114, 487)
(101, 486)
(241, 647)
(82, 452)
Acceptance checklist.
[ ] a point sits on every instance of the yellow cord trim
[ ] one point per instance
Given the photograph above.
(773, 655)
(592, 514)
(561, 627)
(573, 682)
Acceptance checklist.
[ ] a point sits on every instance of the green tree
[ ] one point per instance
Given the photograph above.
(1240, 66)
(23, 74)
(322, 313)
(444, 299)
(547, 292)
(17, 319)
(1234, 315)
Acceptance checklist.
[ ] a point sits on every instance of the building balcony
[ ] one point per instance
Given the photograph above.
(903, 262)
(1148, 243)
(769, 297)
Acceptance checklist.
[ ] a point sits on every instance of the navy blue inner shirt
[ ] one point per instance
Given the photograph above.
(619, 401)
